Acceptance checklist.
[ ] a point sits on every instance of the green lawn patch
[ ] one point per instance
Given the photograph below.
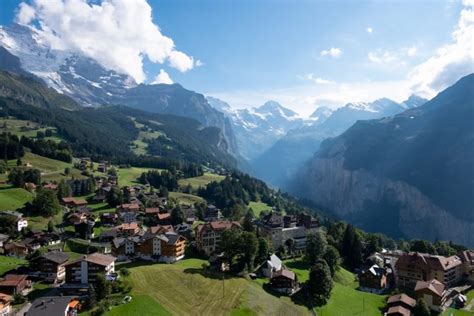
(140, 305)
(9, 263)
(259, 207)
(186, 199)
(201, 181)
(129, 176)
(13, 198)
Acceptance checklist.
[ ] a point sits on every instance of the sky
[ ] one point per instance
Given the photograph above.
(303, 54)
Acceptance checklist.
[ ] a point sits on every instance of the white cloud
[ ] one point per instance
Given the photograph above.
(333, 52)
(317, 80)
(118, 34)
(162, 77)
(412, 51)
(451, 61)
(198, 63)
(382, 57)
(369, 30)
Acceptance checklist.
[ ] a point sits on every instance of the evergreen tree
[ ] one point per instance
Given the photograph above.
(263, 251)
(102, 287)
(50, 226)
(249, 245)
(319, 284)
(248, 221)
(315, 246)
(421, 308)
(115, 196)
(46, 203)
(332, 258)
(64, 190)
(177, 215)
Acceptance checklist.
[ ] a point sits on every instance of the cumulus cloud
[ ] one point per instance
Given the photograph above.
(369, 30)
(118, 34)
(312, 77)
(333, 52)
(382, 57)
(162, 77)
(411, 51)
(451, 61)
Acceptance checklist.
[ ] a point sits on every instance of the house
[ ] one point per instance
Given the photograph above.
(5, 304)
(413, 267)
(190, 214)
(30, 187)
(467, 259)
(55, 306)
(15, 284)
(16, 249)
(80, 187)
(185, 230)
(400, 305)
(108, 219)
(284, 281)
(129, 229)
(18, 217)
(85, 229)
(172, 247)
(52, 266)
(373, 280)
(152, 211)
(102, 167)
(50, 186)
(158, 229)
(433, 292)
(208, 235)
(164, 218)
(124, 247)
(49, 239)
(73, 202)
(212, 213)
(278, 229)
(86, 269)
(269, 267)
(128, 212)
(3, 240)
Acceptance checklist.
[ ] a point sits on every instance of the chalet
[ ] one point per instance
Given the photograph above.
(86, 269)
(128, 212)
(433, 292)
(400, 305)
(30, 187)
(373, 280)
(159, 229)
(15, 284)
(21, 249)
(20, 222)
(102, 167)
(5, 304)
(49, 239)
(108, 219)
(152, 211)
(208, 235)
(467, 259)
(212, 213)
(284, 281)
(414, 267)
(190, 214)
(3, 240)
(55, 306)
(164, 218)
(73, 202)
(125, 247)
(185, 230)
(269, 267)
(102, 193)
(172, 247)
(50, 186)
(85, 229)
(52, 266)
(128, 229)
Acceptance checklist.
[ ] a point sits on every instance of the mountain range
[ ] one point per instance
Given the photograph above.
(409, 175)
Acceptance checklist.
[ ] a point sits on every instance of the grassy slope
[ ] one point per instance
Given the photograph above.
(129, 176)
(201, 181)
(8, 263)
(13, 198)
(25, 128)
(182, 289)
(259, 207)
(345, 298)
(186, 199)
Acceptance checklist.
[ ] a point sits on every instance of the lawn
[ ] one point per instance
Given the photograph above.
(9, 263)
(129, 176)
(40, 222)
(345, 298)
(201, 181)
(259, 207)
(183, 288)
(25, 128)
(13, 198)
(186, 199)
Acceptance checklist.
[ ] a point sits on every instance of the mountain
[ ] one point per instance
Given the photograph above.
(258, 128)
(111, 132)
(411, 175)
(90, 84)
(278, 163)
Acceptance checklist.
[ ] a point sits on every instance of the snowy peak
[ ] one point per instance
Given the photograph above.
(219, 105)
(321, 114)
(275, 108)
(414, 101)
(383, 106)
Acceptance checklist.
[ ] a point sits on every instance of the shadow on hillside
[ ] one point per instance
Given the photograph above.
(210, 274)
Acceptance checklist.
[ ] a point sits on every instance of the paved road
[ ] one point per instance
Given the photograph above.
(23, 310)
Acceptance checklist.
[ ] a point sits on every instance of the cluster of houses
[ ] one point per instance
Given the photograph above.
(440, 281)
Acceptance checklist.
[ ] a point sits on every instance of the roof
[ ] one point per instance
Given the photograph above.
(423, 260)
(58, 257)
(11, 213)
(374, 270)
(13, 280)
(4, 237)
(274, 262)
(172, 238)
(100, 259)
(51, 306)
(434, 286)
(152, 210)
(217, 225)
(129, 206)
(284, 273)
(5, 298)
(163, 216)
(127, 226)
(398, 310)
(467, 256)
(402, 298)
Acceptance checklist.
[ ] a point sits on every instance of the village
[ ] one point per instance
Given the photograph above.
(96, 241)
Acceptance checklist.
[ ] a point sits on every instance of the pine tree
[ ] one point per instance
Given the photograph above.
(319, 284)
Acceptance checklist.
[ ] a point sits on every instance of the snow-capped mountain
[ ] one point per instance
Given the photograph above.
(258, 128)
(69, 73)
(282, 159)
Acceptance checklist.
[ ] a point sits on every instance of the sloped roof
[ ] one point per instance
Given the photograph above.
(58, 257)
(398, 310)
(422, 260)
(434, 286)
(275, 262)
(285, 273)
(402, 298)
(100, 259)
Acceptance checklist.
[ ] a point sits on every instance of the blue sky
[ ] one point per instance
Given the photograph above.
(300, 53)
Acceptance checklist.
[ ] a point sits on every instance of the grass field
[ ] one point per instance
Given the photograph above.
(25, 128)
(457, 312)
(201, 181)
(259, 207)
(13, 198)
(186, 199)
(8, 263)
(40, 222)
(129, 176)
(345, 298)
(183, 289)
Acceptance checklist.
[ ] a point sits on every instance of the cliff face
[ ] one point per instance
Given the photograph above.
(411, 175)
